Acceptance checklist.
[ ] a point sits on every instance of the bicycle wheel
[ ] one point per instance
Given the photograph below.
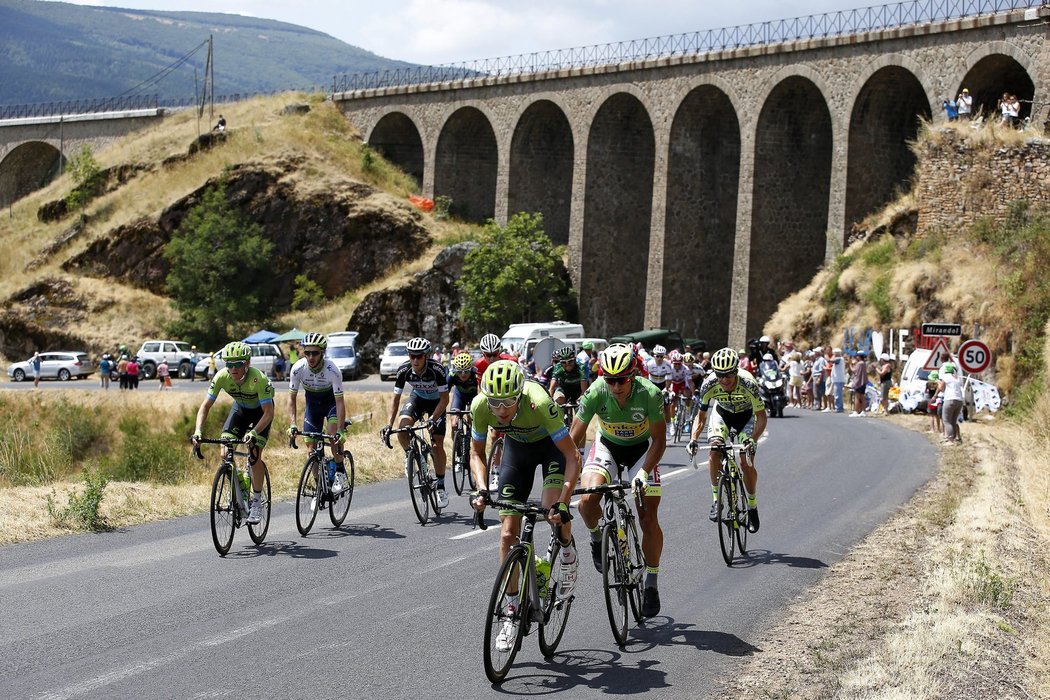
(634, 566)
(742, 516)
(341, 505)
(614, 582)
(726, 519)
(679, 421)
(417, 487)
(429, 480)
(460, 461)
(258, 531)
(222, 510)
(500, 615)
(555, 612)
(308, 497)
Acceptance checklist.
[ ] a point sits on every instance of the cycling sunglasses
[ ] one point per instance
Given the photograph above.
(723, 375)
(502, 403)
(616, 380)
(415, 356)
(312, 353)
(236, 365)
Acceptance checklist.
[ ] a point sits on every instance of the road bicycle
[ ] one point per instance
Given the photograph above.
(317, 480)
(733, 514)
(568, 410)
(685, 411)
(623, 563)
(522, 596)
(230, 494)
(422, 483)
(461, 451)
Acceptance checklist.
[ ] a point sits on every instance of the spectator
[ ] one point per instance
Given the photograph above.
(859, 383)
(163, 375)
(133, 373)
(36, 369)
(194, 359)
(278, 367)
(220, 126)
(746, 362)
(838, 377)
(951, 410)
(794, 373)
(950, 109)
(806, 375)
(211, 366)
(122, 372)
(964, 104)
(829, 386)
(817, 380)
(933, 402)
(105, 366)
(455, 349)
(885, 372)
(293, 354)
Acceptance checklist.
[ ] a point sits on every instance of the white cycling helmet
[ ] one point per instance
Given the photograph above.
(768, 357)
(659, 350)
(490, 343)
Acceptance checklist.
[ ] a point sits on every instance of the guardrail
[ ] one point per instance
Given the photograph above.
(829, 24)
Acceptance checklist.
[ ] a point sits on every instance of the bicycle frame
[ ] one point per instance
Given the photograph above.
(228, 461)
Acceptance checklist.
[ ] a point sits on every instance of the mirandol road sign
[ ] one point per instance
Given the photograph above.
(942, 329)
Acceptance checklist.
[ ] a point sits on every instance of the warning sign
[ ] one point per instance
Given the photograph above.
(939, 354)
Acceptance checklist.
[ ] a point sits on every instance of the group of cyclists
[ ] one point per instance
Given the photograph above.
(626, 391)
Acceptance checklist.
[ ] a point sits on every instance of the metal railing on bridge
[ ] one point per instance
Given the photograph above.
(843, 22)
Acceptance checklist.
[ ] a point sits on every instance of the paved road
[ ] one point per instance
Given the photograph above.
(368, 382)
(385, 608)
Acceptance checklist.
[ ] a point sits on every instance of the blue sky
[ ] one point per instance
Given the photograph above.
(448, 31)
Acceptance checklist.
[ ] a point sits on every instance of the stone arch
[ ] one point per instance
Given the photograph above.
(998, 67)
(28, 167)
(466, 164)
(396, 137)
(541, 167)
(886, 115)
(703, 172)
(791, 190)
(618, 201)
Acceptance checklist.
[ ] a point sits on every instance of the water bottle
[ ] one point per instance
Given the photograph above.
(331, 471)
(622, 537)
(246, 483)
(543, 576)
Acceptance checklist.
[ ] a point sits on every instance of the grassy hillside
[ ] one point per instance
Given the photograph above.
(58, 51)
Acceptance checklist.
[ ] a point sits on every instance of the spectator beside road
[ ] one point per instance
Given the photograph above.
(951, 410)
(950, 109)
(964, 104)
(794, 372)
(36, 369)
(278, 367)
(838, 377)
(195, 357)
(293, 354)
(163, 375)
(829, 386)
(133, 373)
(885, 371)
(105, 366)
(211, 366)
(806, 374)
(122, 372)
(818, 379)
(933, 402)
(859, 383)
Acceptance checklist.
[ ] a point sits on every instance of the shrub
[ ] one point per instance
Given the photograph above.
(84, 170)
(145, 455)
(307, 293)
(442, 207)
(40, 447)
(878, 296)
(880, 254)
(81, 511)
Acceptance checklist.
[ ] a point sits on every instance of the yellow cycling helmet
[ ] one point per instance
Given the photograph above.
(462, 362)
(725, 361)
(688, 358)
(503, 379)
(615, 360)
(236, 352)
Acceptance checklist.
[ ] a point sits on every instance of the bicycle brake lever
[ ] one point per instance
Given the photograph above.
(479, 521)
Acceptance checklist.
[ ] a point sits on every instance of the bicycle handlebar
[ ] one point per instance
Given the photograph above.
(225, 442)
(322, 437)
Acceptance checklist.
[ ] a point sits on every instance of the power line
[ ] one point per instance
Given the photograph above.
(166, 71)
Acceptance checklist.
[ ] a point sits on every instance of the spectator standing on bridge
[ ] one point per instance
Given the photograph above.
(964, 104)
(950, 109)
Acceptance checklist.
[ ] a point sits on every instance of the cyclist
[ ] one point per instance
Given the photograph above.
(738, 408)
(536, 435)
(680, 380)
(325, 408)
(491, 350)
(569, 379)
(697, 372)
(659, 371)
(463, 383)
(631, 432)
(250, 416)
(429, 395)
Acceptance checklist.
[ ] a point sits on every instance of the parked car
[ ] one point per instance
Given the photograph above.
(63, 365)
(342, 351)
(263, 356)
(913, 383)
(394, 355)
(176, 353)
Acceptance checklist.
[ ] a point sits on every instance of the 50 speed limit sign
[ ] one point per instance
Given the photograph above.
(974, 356)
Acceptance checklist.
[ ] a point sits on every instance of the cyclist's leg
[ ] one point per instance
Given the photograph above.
(717, 434)
(408, 415)
(747, 466)
(438, 447)
(516, 474)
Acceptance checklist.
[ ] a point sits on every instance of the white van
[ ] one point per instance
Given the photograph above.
(520, 338)
(914, 378)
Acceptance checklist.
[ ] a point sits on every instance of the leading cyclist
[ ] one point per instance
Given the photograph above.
(250, 416)
(738, 408)
(325, 408)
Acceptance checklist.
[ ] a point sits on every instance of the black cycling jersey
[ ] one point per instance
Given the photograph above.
(467, 386)
(429, 384)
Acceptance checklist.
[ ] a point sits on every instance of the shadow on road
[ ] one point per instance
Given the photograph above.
(609, 671)
(755, 557)
(664, 631)
(295, 550)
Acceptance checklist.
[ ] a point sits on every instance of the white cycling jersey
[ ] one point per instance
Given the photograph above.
(659, 373)
(327, 378)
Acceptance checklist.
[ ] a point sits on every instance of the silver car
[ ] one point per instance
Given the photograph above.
(62, 365)
(393, 357)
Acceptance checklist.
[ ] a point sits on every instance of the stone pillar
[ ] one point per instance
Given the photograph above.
(742, 249)
(576, 207)
(836, 231)
(658, 229)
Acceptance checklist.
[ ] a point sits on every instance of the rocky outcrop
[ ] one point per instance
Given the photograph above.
(341, 237)
(429, 305)
(36, 318)
(107, 181)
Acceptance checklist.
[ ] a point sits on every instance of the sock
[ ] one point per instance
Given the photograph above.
(441, 482)
(596, 533)
(752, 500)
(512, 602)
(258, 496)
(568, 552)
(651, 572)
(714, 494)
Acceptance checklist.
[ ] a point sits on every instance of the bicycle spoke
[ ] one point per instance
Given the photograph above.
(555, 612)
(341, 504)
(505, 613)
(222, 510)
(614, 583)
(635, 566)
(726, 519)
(307, 497)
(417, 487)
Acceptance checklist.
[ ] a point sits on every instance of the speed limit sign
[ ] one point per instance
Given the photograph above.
(974, 356)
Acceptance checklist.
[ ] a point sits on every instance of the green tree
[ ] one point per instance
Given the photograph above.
(515, 275)
(84, 170)
(307, 293)
(219, 271)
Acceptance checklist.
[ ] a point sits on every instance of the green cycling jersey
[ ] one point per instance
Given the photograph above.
(626, 425)
(253, 392)
(743, 398)
(538, 417)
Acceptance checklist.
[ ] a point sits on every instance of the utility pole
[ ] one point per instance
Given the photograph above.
(208, 94)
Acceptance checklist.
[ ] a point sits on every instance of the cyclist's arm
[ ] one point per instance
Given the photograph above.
(477, 465)
(553, 386)
(340, 413)
(698, 424)
(760, 425)
(202, 413)
(572, 466)
(292, 409)
(394, 405)
(442, 404)
(578, 431)
(267, 416)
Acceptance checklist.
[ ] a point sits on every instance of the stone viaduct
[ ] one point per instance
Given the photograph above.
(698, 191)
(33, 149)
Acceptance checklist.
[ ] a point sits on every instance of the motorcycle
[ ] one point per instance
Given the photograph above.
(771, 391)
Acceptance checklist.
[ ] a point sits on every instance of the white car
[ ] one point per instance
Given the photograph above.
(394, 355)
(263, 356)
(63, 365)
(914, 378)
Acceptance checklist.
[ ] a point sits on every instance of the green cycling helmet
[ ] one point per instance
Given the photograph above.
(236, 352)
(563, 354)
(503, 379)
